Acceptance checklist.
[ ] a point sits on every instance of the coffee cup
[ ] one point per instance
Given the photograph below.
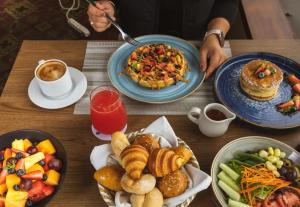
(213, 120)
(53, 78)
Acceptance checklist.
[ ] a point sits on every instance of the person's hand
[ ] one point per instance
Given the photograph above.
(97, 15)
(211, 55)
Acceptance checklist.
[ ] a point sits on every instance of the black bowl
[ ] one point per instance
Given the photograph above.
(37, 136)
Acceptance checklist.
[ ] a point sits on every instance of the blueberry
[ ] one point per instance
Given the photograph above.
(16, 187)
(19, 155)
(11, 171)
(1, 157)
(42, 163)
(29, 203)
(45, 177)
(20, 172)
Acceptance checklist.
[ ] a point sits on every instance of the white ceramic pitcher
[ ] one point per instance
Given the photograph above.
(209, 127)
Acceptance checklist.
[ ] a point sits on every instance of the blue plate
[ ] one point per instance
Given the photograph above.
(128, 87)
(260, 113)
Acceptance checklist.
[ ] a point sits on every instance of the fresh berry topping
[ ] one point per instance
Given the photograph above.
(19, 155)
(1, 157)
(42, 163)
(11, 171)
(20, 172)
(16, 187)
(32, 150)
(45, 177)
(29, 203)
(261, 75)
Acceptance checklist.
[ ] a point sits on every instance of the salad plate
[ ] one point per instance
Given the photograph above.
(128, 87)
(255, 153)
(259, 113)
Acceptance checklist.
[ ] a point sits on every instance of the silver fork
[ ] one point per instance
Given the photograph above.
(124, 35)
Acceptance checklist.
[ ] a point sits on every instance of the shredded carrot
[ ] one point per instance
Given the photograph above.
(256, 177)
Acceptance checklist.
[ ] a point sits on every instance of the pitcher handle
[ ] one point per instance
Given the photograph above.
(195, 111)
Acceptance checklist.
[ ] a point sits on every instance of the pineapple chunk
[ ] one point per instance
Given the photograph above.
(33, 159)
(18, 144)
(15, 198)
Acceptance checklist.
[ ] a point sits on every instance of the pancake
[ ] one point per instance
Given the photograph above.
(156, 66)
(260, 79)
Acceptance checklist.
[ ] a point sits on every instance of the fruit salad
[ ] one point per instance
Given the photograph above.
(29, 172)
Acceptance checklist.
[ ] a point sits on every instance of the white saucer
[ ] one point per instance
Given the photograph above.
(79, 87)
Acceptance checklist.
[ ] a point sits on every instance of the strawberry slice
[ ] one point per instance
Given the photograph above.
(286, 104)
(20, 164)
(36, 194)
(296, 100)
(293, 79)
(296, 88)
(34, 175)
(25, 154)
(48, 190)
(3, 175)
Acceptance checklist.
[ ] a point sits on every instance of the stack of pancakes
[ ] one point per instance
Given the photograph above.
(260, 88)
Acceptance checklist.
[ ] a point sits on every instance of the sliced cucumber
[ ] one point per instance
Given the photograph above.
(226, 179)
(232, 203)
(229, 191)
(229, 171)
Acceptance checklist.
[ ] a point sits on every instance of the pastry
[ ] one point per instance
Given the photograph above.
(162, 161)
(109, 177)
(156, 66)
(144, 185)
(147, 141)
(134, 159)
(260, 79)
(173, 184)
(183, 152)
(154, 199)
(119, 142)
(137, 200)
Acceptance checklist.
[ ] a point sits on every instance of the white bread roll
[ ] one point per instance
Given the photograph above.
(137, 200)
(154, 199)
(144, 185)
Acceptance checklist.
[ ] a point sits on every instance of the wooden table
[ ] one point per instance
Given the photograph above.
(79, 189)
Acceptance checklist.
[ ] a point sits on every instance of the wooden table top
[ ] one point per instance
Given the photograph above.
(79, 189)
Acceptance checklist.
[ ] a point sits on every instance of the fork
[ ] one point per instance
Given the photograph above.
(124, 35)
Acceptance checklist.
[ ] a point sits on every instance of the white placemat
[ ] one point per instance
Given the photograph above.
(94, 68)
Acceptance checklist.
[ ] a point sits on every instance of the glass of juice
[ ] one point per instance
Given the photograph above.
(108, 113)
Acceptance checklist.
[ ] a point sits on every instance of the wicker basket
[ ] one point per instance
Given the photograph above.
(109, 196)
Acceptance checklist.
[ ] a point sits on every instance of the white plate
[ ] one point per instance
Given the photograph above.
(79, 87)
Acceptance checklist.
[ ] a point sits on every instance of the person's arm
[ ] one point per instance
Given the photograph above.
(221, 18)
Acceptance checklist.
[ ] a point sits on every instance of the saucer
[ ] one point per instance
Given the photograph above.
(79, 87)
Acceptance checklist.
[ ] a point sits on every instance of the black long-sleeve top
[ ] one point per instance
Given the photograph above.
(184, 18)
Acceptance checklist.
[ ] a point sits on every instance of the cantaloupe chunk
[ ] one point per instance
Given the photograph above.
(27, 144)
(35, 167)
(52, 177)
(3, 188)
(46, 147)
(11, 180)
(18, 144)
(33, 159)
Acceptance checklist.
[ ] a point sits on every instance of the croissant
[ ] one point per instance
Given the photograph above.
(162, 161)
(134, 159)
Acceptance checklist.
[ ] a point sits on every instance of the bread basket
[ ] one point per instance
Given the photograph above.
(109, 196)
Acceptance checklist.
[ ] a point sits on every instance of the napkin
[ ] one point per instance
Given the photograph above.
(102, 155)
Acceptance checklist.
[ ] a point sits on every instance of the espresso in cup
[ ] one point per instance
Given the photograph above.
(51, 71)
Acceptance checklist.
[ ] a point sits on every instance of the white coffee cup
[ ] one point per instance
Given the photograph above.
(54, 88)
(208, 126)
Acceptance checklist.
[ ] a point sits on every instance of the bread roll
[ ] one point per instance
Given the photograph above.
(183, 152)
(142, 186)
(173, 184)
(147, 141)
(137, 200)
(119, 142)
(134, 159)
(162, 161)
(154, 199)
(109, 177)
